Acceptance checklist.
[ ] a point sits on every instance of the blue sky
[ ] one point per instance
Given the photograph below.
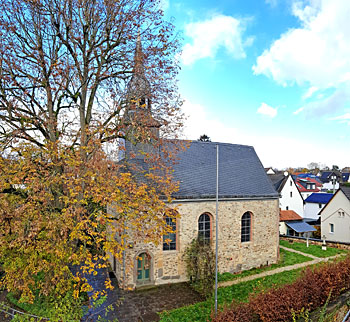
(274, 74)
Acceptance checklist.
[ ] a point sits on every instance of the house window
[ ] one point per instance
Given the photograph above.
(291, 194)
(287, 208)
(320, 205)
(291, 182)
(246, 227)
(204, 229)
(331, 228)
(169, 240)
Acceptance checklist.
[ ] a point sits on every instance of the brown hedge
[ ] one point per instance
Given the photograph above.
(309, 291)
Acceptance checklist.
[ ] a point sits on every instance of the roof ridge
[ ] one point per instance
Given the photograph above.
(219, 143)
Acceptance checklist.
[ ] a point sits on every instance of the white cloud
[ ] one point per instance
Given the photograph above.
(298, 111)
(210, 35)
(267, 110)
(164, 4)
(333, 103)
(200, 122)
(311, 91)
(273, 150)
(317, 53)
(342, 118)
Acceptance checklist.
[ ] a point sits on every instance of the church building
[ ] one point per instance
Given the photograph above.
(248, 207)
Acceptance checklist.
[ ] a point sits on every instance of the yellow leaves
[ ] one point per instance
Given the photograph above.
(73, 211)
(76, 294)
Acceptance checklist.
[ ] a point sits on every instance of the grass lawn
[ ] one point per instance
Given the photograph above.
(286, 259)
(315, 250)
(240, 292)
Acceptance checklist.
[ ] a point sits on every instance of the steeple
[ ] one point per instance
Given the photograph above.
(139, 88)
(139, 112)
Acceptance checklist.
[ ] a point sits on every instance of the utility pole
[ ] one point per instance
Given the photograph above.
(217, 229)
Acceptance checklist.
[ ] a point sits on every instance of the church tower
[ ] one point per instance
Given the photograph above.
(142, 128)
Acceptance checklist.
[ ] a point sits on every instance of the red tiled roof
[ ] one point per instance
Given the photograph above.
(303, 189)
(286, 215)
(318, 184)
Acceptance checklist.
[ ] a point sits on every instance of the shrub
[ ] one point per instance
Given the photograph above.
(310, 291)
(200, 266)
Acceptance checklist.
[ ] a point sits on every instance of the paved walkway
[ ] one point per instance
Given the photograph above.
(139, 305)
(315, 260)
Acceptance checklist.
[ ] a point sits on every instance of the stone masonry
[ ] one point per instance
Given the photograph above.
(234, 256)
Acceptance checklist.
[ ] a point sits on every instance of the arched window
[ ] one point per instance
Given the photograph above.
(169, 240)
(204, 227)
(246, 226)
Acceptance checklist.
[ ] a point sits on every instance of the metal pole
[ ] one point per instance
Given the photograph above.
(217, 229)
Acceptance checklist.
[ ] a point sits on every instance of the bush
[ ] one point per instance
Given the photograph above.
(310, 291)
(200, 266)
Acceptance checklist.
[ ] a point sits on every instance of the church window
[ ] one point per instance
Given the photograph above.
(246, 225)
(204, 227)
(169, 240)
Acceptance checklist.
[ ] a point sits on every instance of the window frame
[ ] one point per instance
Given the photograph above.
(172, 245)
(246, 236)
(205, 239)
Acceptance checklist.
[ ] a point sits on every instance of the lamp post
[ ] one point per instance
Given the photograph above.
(217, 229)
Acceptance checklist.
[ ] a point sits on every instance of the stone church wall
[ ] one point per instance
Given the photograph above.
(234, 255)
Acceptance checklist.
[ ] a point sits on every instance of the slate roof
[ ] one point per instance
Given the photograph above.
(241, 174)
(300, 227)
(286, 215)
(325, 175)
(278, 180)
(345, 176)
(319, 198)
(346, 191)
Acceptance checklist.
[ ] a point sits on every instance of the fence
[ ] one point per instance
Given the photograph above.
(12, 312)
(314, 241)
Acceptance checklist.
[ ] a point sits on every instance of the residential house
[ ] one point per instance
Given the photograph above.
(306, 187)
(314, 203)
(335, 216)
(290, 197)
(331, 180)
(291, 224)
(248, 212)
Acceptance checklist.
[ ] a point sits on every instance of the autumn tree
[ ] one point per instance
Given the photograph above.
(66, 106)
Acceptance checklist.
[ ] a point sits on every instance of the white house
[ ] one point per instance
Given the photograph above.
(330, 180)
(306, 187)
(335, 216)
(314, 203)
(290, 197)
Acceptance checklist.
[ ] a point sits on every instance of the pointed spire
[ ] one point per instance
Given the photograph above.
(139, 59)
(139, 87)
